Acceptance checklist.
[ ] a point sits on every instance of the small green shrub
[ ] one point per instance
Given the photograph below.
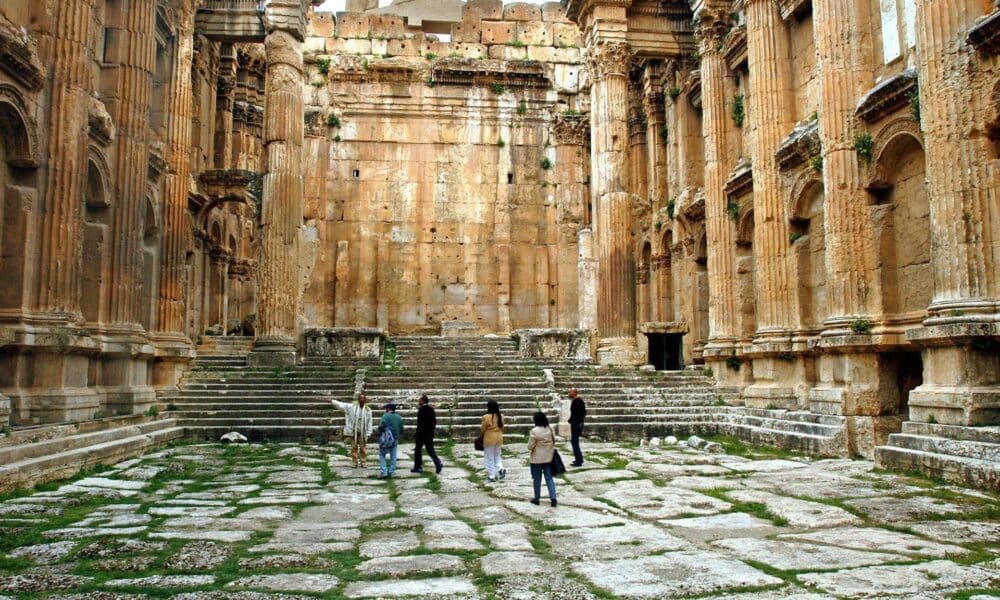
(319, 83)
(739, 110)
(336, 138)
(657, 225)
(5, 430)
(674, 92)
(171, 407)
(498, 88)
(864, 146)
(931, 419)
(664, 134)
(733, 208)
(501, 143)
(671, 207)
(786, 356)
(816, 163)
(455, 55)
(430, 56)
(323, 64)
(914, 98)
(516, 44)
(734, 363)
(333, 121)
(153, 411)
(545, 163)
(861, 326)
(569, 112)
(795, 236)
(522, 108)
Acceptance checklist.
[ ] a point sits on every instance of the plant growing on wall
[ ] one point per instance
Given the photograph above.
(516, 44)
(816, 163)
(497, 88)
(333, 121)
(864, 146)
(795, 236)
(430, 56)
(569, 112)
(522, 108)
(323, 64)
(739, 111)
(733, 208)
(671, 205)
(734, 363)
(861, 326)
(914, 98)
(674, 92)
(545, 163)
(664, 134)
(501, 143)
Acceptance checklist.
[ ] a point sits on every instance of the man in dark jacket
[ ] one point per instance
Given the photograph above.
(426, 424)
(577, 414)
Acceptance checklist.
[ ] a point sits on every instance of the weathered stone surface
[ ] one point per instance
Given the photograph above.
(671, 574)
(791, 556)
(720, 526)
(451, 587)
(295, 582)
(404, 566)
(389, 543)
(625, 541)
(44, 553)
(198, 556)
(163, 581)
(799, 513)
(882, 540)
(511, 563)
(932, 579)
(960, 532)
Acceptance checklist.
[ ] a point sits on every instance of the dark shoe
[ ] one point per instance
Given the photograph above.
(576, 464)
(438, 468)
(554, 503)
(416, 470)
(503, 474)
(534, 501)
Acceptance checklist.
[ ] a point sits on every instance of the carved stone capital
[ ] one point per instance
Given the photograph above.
(712, 28)
(609, 59)
(19, 57)
(571, 131)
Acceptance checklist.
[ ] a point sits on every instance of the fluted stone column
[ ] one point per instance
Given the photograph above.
(719, 225)
(281, 214)
(961, 384)
(770, 111)
(854, 383)
(173, 346)
(123, 373)
(616, 302)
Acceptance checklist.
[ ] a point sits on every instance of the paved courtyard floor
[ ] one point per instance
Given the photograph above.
(283, 521)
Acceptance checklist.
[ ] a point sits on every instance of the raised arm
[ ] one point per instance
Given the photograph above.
(337, 403)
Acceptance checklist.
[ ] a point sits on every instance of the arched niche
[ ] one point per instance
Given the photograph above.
(646, 299)
(150, 262)
(901, 218)
(665, 275)
(97, 207)
(20, 134)
(807, 242)
(746, 295)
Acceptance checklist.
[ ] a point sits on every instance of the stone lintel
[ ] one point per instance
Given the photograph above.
(19, 57)
(794, 8)
(229, 184)
(553, 343)
(353, 342)
(740, 182)
(985, 34)
(887, 96)
(510, 73)
(577, 10)
(735, 48)
(692, 88)
(229, 22)
(802, 144)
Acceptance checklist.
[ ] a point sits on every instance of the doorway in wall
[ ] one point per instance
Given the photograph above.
(665, 351)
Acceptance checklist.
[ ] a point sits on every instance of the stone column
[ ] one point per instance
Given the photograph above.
(770, 112)
(281, 216)
(719, 225)
(123, 370)
(616, 301)
(961, 384)
(173, 346)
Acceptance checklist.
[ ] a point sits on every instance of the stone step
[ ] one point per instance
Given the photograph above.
(981, 433)
(35, 433)
(790, 426)
(939, 445)
(25, 451)
(962, 470)
(63, 464)
(317, 387)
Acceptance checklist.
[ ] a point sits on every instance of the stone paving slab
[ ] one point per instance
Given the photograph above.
(891, 510)
(402, 566)
(874, 539)
(292, 582)
(629, 540)
(936, 579)
(958, 532)
(672, 574)
(511, 563)
(799, 513)
(793, 556)
(455, 588)
(720, 526)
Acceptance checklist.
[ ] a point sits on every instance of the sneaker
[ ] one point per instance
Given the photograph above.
(576, 464)
(534, 501)
(383, 475)
(438, 468)
(490, 480)
(554, 503)
(416, 470)
(503, 474)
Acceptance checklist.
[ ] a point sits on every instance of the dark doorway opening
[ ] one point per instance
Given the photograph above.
(909, 375)
(665, 351)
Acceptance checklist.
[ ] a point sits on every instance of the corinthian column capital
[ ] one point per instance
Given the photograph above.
(609, 59)
(712, 28)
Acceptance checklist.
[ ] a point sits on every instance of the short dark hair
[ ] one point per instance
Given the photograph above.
(540, 419)
(424, 398)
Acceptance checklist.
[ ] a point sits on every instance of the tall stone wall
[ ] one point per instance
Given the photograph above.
(444, 181)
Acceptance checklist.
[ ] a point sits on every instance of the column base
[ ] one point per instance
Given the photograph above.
(619, 352)
(4, 410)
(174, 353)
(66, 405)
(961, 382)
(272, 358)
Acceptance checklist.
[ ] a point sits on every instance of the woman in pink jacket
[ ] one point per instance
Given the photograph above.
(542, 445)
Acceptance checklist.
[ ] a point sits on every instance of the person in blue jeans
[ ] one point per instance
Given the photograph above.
(577, 414)
(542, 446)
(388, 451)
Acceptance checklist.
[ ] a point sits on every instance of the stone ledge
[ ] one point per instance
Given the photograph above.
(553, 343)
(354, 342)
(887, 96)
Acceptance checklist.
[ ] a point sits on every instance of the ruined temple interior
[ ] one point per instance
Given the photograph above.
(798, 198)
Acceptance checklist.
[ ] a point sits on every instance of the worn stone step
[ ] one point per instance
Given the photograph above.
(25, 451)
(989, 434)
(61, 465)
(956, 469)
(939, 445)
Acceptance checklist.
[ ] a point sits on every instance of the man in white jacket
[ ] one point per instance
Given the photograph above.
(357, 427)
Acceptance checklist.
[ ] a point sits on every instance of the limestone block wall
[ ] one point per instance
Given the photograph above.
(445, 181)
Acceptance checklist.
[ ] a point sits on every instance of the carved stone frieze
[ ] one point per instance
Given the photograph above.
(19, 57)
(101, 125)
(800, 146)
(514, 73)
(985, 34)
(735, 48)
(609, 58)
(740, 182)
(571, 130)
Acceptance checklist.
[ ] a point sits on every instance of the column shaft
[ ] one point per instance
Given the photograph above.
(72, 82)
(770, 115)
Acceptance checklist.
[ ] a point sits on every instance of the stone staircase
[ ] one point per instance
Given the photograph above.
(459, 375)
(964, 455)
(221, 394)
(33, 455)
